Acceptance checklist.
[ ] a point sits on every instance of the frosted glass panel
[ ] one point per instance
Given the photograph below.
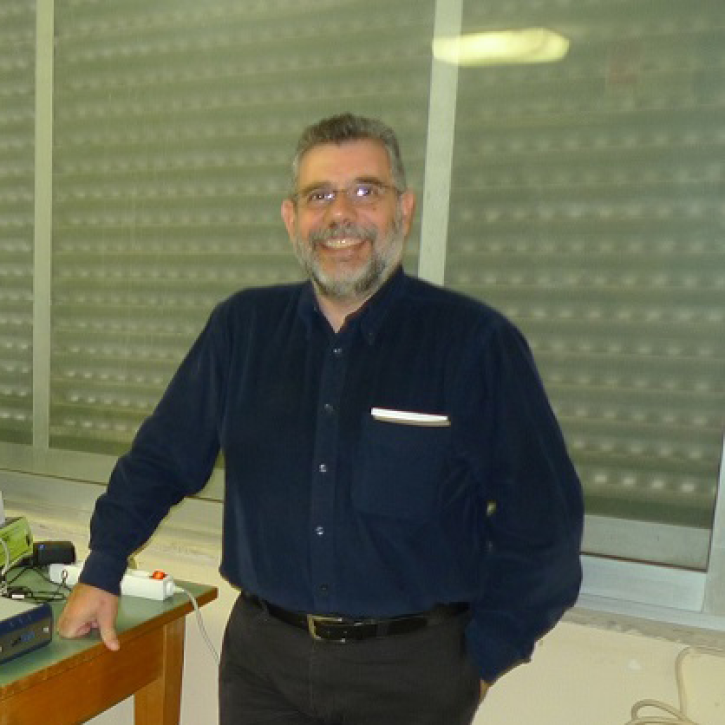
(588, 205)
(174, 127)
(17, 94)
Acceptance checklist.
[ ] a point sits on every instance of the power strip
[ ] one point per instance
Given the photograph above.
(135, 582)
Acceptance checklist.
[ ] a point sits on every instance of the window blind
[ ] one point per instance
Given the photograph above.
(17, 89)
(175, 123)
(588, 205)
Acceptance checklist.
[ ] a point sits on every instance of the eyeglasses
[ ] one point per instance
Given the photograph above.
(360, 193)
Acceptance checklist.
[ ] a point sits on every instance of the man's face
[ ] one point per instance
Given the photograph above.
(348, 247)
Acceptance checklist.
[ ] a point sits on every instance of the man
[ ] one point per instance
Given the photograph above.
(400, 510)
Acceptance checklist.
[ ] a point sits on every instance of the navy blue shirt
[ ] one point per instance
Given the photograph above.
(335, 502)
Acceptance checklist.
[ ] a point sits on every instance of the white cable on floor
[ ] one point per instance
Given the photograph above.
(679, 716)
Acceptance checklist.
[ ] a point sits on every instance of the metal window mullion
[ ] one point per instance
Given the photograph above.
(439, 149)
(715, 585)
(42, 270)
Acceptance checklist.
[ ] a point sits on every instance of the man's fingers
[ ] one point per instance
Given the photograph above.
(69, 630)
(107, 625)
(90, 608)
(109, 637)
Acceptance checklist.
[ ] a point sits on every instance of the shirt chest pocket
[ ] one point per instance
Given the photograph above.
(400, 469)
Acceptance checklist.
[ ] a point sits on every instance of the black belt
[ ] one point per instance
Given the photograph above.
(342, 629)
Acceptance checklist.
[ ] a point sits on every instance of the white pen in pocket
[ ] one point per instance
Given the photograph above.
(408, 417)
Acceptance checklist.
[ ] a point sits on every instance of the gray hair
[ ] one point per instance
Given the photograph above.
(348, 127)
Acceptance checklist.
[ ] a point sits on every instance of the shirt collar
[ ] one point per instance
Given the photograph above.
(369, 318)
(374, 311)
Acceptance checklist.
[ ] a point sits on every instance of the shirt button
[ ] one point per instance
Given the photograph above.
(323, 468)
(320, 530)
(337, 351)
(328, 408)
(324, 589)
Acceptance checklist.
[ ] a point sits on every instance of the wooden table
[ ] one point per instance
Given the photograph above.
(70, 681)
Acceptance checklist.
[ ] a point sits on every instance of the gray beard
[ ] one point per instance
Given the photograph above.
(366, 281)
(360, 286)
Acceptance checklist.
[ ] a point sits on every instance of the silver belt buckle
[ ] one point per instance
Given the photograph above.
(313, 619)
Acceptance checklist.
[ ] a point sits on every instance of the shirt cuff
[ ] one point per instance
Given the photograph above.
(104, 571)
(492, 654)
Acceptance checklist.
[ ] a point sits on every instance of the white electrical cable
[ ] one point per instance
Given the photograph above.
(199, 621)
(679, 716)
(5, 569)
(6, 565)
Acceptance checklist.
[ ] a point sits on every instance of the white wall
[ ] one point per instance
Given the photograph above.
(579, 674)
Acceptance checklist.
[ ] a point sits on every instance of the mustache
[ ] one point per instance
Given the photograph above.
(351, 231)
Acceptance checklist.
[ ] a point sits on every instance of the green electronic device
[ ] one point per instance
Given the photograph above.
(18, 539)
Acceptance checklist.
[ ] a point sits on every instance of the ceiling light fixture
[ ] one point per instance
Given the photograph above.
(502, 47)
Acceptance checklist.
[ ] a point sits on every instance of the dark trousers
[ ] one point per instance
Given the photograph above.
(272, 672)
